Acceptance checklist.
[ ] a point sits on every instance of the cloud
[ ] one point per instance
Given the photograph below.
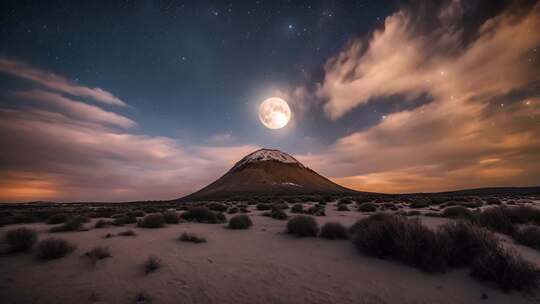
(66, 150)
(55, 82)
(79, 110)
(473, 116)
(49, 156)
(222, 138)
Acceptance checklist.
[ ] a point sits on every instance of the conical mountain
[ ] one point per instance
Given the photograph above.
(268, 172)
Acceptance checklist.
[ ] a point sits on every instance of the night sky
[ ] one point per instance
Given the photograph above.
(136, 100)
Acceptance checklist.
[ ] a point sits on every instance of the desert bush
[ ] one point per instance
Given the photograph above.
(72, 224)
(150, 210)
(215, 206)
(367, 207)
(261, 206)
(243, 210)
(280, 205)
(278, 214)
(419, 203)
(457, 212)
(333, 231)
(155, 220)
(142, 298)
(465, 241)
(390, 236)
(152, 264)
(124, 219)
(297, 208)
(303, 226)
(470, 204)
(345, 201)
(57, 219)
(21, 239)
(317, 210)
(493, 201)
(102, 223)
(138, 213)
(240, 221)
(192, 238)
(53, 248)
(523, 214)
(127, 233)
(98, 253)
(232, 210)
(496, 219)
(506, 269)
(203, 215)
(171, 217)
(361, 224)
(343, 207)
(528, 236)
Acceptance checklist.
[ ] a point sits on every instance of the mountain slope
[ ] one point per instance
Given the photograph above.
(267, 172)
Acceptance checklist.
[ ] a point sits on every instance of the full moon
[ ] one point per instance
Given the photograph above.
(274, 113)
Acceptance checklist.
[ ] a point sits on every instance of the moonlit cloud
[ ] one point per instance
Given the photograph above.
(63, 149)
(79, 110)
(55, 82)
(471, 117)
(222, 138)
(49, 156)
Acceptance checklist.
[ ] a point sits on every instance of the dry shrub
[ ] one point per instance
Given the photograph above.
(465, 241)
(98, 253)
(21, 239)
(507, 269)
(343, 207)
(152, 264)
(203, 215)
(390, 236)
(496, 219)
(367, 207)
(156, 220)
(102, 224)
(53, 248)
(333, 231)
(303, 226)
(72, 224)
(240, 221)
(262, 207)
(127, 233)
(192, 238)
(297, 208)
(171, 217)
(278, 214)
(57, 219)
(457, 212)
(528, 236)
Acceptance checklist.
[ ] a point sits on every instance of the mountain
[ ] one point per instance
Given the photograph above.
(268, 172)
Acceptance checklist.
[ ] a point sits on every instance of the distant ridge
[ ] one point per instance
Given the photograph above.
(492, 191)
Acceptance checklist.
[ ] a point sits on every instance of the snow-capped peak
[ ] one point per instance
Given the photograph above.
(267, 155)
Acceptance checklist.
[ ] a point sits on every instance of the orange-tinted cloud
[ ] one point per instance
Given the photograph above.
(471, 118)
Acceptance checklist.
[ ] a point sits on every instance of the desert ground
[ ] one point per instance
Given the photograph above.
(262, 264)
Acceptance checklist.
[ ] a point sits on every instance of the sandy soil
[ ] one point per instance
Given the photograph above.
(260, 265)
